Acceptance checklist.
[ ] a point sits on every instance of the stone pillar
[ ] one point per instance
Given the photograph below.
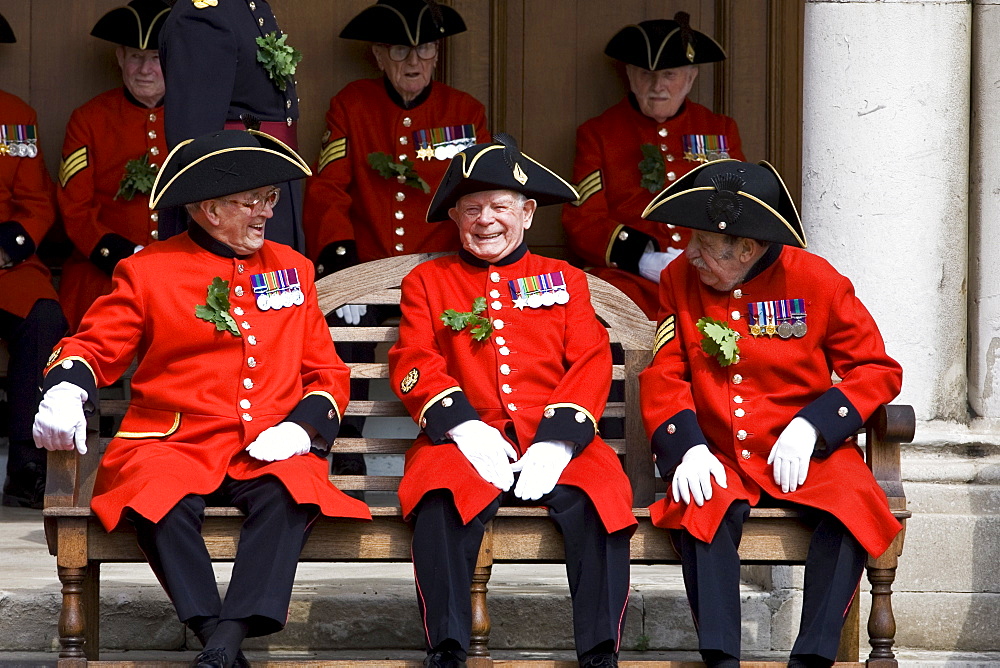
(885, 177)
(984, 218)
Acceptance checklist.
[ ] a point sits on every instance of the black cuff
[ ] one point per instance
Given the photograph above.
(336, 256)
(565, 424)
(450, 411)
(627, 247)
(110, 250)
(835, 418)
(673, 438)
(16, 241)
(78, 374)
(317, 412)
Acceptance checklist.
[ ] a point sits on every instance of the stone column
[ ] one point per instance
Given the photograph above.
(984, 218)
(885, 177)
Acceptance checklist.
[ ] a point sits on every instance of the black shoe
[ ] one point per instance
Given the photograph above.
(601, 660)
(443, 660)
(211, 658)
(26, 489)
(808, 661)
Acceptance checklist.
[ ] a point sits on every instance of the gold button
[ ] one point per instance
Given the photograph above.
(252, 340)
(741, 434)
(671, 176)
(288, 121)
(423, 423)
(319, 268)
(331, 414)
(251, 362)
(240, 268)
(399, 248)
(548, 413)
(580, 417)
(407, 122)
(504, 350)
(505, 369)
(722, 224)
(247, 383)
(152, 118)
(737, 294)
(154, 150)
(623, 235)
(496, 305)
(260, 22)
(245, 325)
(155, 217)
(247, 417)
(613, 265)
(842, 411)
(340, 250)
(663, 148)
(663, 132)
(67, 364)
(494, 294)
(400, 231)
(288, 104)
(105, 252)
(670, 157)
(238, 311)
(155, 234)
(244, 404)
(399, 215)
(404, 141)
(740, 412)
(745, 454)
(736, 315)
(495, 277)
(671, 226)
(447, 402)
(400, 197)
(238, 290)
(511, 406)
(737, 379)
(498, 324)
(402, 157)
(501, 341)
(675, 236)
(253, 6)
(151, 134)
(507, 389)
(671, 429)
(738, 399)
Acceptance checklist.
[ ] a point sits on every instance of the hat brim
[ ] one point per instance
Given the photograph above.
(129, 27)
(383, 23)
(684, 204)
(6, 32)
(225, 170)
(649, 49)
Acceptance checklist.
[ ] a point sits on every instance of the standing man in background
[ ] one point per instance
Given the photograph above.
(211, 54)
(636, 148)
(114, 145)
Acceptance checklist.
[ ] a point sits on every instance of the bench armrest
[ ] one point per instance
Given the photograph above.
(889, 425)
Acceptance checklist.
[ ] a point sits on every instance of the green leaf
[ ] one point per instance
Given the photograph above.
(387, 169)
(457, 320)
(719, 340)
(454, 319)
(483, 328)
(139, 178)
(651, 167)
(216, 308)
(478, 305)
(279, 59)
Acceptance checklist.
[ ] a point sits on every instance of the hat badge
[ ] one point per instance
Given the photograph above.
(519, 174)
(724, 206)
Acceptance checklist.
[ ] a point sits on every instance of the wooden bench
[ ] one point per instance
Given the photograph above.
(772, 536)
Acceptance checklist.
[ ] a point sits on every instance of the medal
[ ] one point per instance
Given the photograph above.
(277, 289)
(799, 318)
(784, 326)
(770, 327)
(537, 291)
(753, 310)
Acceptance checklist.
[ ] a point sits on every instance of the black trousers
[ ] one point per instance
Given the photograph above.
(272, 537)
(834, 565)
(30, 341)
(444, 558)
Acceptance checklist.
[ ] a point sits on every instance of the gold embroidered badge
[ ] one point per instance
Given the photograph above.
(54, 356)
(202, 4)
(409, 381)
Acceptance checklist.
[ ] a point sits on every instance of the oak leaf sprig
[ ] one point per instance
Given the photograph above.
(719, 340)
(458, 320)
(402, 171)
(278, 58)
(651, 167)
(216, 308)
(139, 177)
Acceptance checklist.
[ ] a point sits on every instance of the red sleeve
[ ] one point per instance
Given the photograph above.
(76, 193)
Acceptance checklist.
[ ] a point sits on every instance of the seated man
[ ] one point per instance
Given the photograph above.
(237, 395)
(751, 329)
(503, 364)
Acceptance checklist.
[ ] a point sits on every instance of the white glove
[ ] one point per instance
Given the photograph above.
(137, 248)
(652, 263)
(283, 440)
(693, 476)
(60, 423)
(540, 468)
(791, 454)
(487, 450)
(351, 313)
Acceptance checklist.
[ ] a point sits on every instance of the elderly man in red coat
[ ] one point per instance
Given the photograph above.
(503, 364)
(635, 148)
(740, 406)
(236, 398)
(114, 144)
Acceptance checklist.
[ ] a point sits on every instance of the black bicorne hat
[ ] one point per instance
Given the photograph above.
(223, 163)
(740, 199)
(137, 24)
(406, 22)
(661, 44)
(6, 34)
(497, 166)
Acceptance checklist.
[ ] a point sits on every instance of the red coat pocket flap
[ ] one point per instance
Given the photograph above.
(140, 422)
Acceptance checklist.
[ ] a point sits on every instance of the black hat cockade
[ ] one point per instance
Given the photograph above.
(6, 33)
(740, 199)
(224, 163)
(499, 165)
(661, 44)
(136, 25)
(405, 22)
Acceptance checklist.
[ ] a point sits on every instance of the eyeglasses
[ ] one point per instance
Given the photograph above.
(400, 52)
(257, 206)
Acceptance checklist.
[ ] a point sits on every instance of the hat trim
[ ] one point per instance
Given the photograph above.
(663, 45)
(144, 39)
(765, 163)
(159, 195)
(466, 173)
(413, 40)
(654, 205)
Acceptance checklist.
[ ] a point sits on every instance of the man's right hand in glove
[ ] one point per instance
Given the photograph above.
(60, 423)
(693, 476)
(487, 450)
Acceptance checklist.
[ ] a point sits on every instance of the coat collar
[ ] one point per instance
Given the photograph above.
(398, 100)
(201, 237)
(634, 103)
(769, 257)
(132, 100)
(513, 257)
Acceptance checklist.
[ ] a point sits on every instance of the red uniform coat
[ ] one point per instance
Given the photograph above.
(352, 213)
(201, 396)
(101, 137)
(741, 409)
(543, 374)
(27, 210)
(605, 227)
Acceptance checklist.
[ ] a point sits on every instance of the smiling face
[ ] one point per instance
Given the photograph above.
(238, 220)
(661, 93)
(491, 223)
(141, 74)
(409, 76)
(722, 260)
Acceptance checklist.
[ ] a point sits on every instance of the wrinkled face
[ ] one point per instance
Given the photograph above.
(721, 260)
(238, 220)
(491, 224)
(141, 73)
(410, 75)
(660, 93)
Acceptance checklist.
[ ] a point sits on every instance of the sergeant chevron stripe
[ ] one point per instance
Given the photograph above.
(335, 150)
(588, 185)
(664, 334)
(72, 165)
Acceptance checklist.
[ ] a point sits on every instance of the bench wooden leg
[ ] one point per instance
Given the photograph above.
(881, 621)
(479, 653)
(92, 611)
(71, 617)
